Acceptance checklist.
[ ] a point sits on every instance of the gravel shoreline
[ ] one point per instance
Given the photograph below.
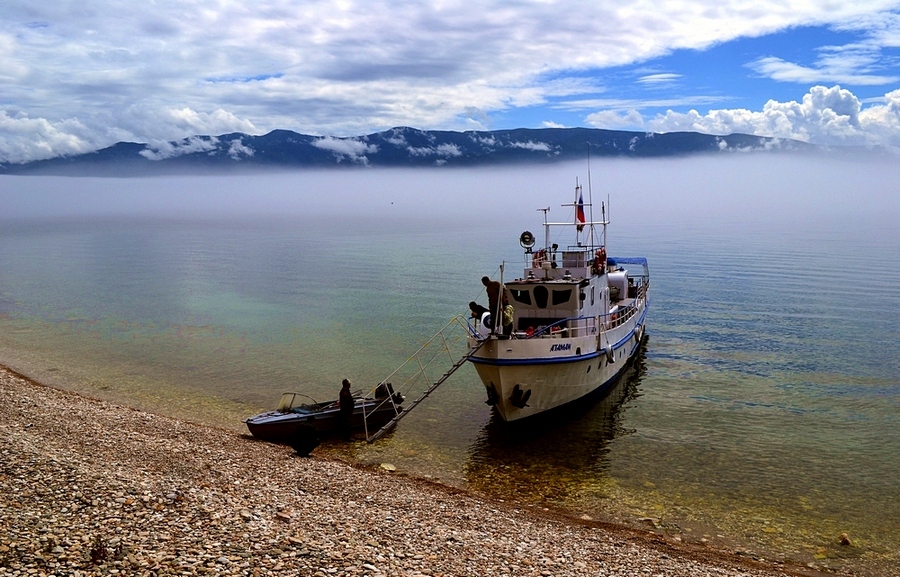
(92, 488)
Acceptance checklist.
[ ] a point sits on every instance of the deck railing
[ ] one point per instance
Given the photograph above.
(581, 325)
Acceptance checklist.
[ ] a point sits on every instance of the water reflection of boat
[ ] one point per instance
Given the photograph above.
(577, 319)
(554, 455)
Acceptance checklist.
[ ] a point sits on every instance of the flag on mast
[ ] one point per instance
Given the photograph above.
(579, 212)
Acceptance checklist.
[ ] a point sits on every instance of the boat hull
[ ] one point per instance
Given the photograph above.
(284, 426)
(521, 384)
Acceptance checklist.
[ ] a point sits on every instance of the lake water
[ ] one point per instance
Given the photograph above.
(762, 414)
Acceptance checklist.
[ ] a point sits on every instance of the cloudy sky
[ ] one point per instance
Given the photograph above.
(76, 76)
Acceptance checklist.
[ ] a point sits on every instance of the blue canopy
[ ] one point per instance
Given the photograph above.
(630, 260)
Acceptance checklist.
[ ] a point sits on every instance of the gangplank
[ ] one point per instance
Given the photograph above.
(444, 347)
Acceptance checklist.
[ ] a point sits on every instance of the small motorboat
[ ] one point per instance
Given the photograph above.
(302, 422)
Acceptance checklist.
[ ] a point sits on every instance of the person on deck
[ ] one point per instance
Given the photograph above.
(507, 319)
(477, 310)
(493, 289)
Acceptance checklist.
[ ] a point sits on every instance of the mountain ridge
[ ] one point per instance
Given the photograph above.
(396, 147)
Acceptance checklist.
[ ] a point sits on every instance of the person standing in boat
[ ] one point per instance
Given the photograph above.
(346, 403)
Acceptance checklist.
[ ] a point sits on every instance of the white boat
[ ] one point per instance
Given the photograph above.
(578, 320)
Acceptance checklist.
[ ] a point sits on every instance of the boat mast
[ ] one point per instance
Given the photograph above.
(546, 229)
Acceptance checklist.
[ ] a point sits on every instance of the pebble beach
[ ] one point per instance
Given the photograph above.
(88, 487)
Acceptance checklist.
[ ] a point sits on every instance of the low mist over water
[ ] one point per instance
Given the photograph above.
(730, 189)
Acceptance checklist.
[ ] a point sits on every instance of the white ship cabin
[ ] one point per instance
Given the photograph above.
(576, 295)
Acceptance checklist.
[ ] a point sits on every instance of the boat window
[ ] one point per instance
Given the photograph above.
(561, 297)
(286, 403)
(540, 296)
(522, 296)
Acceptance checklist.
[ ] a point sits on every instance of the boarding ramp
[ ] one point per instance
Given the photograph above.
(443, 354)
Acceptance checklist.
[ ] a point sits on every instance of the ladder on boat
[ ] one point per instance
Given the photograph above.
(444, 339)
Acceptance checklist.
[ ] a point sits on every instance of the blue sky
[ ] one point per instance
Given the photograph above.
(78, 76)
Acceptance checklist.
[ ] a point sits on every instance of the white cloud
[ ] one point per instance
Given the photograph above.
(397, 140)
(616, 119)
(620, 104)
(881, 123)
(726, 144)
(824, 116)
(237, 148)
(531, 145)
(216, 122)
(842, 72)
(350, 148)
(420, 151)
(163, 150)
(448, 150)
(488, 141)
(659, 78)
(23, 138)
(12, 71)
(445, 150)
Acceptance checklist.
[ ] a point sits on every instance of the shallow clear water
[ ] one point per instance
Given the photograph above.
(762, 413)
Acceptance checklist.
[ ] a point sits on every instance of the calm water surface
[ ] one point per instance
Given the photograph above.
(762, 413)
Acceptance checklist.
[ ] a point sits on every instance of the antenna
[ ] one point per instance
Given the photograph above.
(546, 227)
(603, 206)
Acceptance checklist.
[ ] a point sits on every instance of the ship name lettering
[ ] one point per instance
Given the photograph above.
(561, 347)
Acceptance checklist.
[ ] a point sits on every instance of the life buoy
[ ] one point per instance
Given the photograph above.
(485, 326)
(600, 260)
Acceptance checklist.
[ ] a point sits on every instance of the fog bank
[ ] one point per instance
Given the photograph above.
(731, 190)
